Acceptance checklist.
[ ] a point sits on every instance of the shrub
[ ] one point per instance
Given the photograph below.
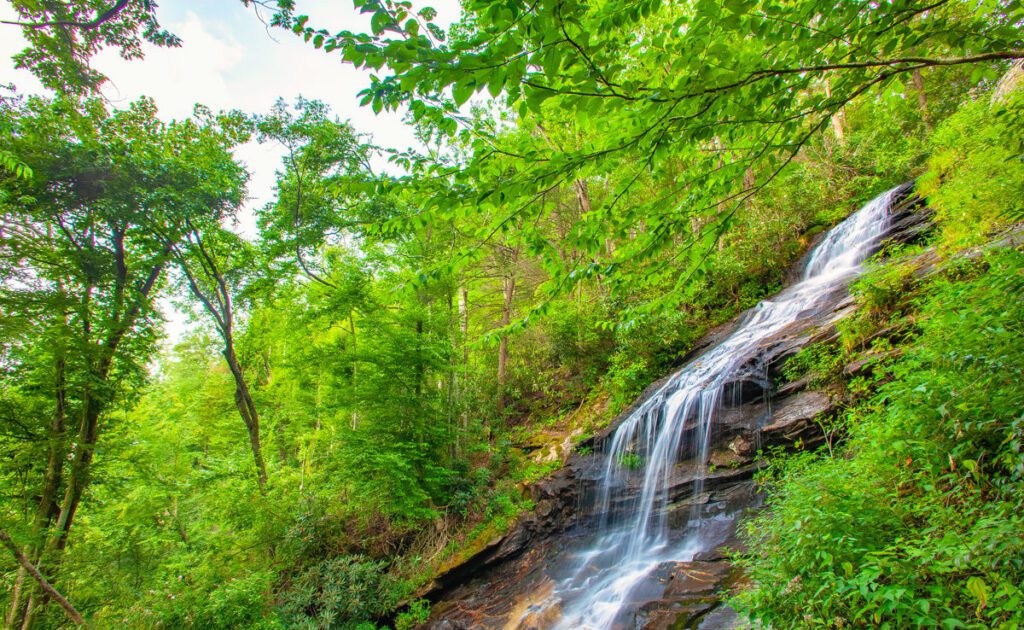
(340, 592)
(975, 177)
(416, 614)
(919, 521)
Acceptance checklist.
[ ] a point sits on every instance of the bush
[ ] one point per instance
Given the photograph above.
(341, 592)
(822, 362)
(416, 614)
(975, 178)
(239, 602)
(920, 520)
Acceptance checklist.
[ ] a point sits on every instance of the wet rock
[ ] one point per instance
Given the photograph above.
(742, 446)
(911, 220)
(727, 458)
(544, 507)
(674, 616)
(540, 618)
(793, 417)
(692, 591)
(745, 391)
(734, 421)
(793, 387)
(508, 583)
(721, 618)
(696, 578)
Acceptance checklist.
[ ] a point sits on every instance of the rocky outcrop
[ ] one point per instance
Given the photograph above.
(501, 585)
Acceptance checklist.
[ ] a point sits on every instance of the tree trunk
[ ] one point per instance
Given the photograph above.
(464, 315)
(453, 376)
(509, 286)
(14, 611)
(78, 479)
(1010, 81)
(355, 369)
(582, 195)
(95, 396)
(922, 99)
(420, 369)
(47, 508)
(247, 410)
(838, 118)
(223, 318)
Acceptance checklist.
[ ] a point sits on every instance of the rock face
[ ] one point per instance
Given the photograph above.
(507, 584)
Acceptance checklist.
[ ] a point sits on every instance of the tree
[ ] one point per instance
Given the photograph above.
(84, 247)
(324, 191)
(26, 564)
(214, 262)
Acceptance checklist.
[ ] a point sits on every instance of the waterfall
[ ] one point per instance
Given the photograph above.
(633, 535)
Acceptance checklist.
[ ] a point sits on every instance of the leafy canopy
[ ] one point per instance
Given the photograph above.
(714, 97)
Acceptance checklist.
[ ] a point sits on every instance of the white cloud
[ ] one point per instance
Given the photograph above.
(177, 78)
(230, 60)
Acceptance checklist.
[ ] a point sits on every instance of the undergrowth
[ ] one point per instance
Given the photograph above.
(917, 518)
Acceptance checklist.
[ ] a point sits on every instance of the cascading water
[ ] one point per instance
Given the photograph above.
(633, 536)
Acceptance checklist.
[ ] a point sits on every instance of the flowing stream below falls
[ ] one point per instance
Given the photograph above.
(646, 507)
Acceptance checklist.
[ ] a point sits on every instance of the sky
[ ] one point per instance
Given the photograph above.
(230, 60)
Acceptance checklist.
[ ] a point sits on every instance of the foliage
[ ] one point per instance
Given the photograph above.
(821, 362)
(882, 297)
(648, 104)
(915, 521)
(84, 248)
(335, 590)
(417, 613)
(918, 524)
(409, 350)
(11, 163)
(64, 35)
(975, 174)
(631, 461)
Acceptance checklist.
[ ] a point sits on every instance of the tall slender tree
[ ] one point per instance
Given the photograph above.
(214, 263)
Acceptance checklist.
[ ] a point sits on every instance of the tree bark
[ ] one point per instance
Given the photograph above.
(509, 288)
(247, 410)
(464, 316)
(838, 119)
(582, 195)
(96, 395)
(922, 99)
(47, 507)
(355, 368)
(216, 300)
(14, 611)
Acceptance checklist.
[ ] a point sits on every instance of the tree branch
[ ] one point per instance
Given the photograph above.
(48, 588)
(99, 20)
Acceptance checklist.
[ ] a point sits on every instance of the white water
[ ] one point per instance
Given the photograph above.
(606, 576)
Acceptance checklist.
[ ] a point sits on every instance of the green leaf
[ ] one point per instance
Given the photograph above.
(496, 82)
(462, 91)
(979, 589)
